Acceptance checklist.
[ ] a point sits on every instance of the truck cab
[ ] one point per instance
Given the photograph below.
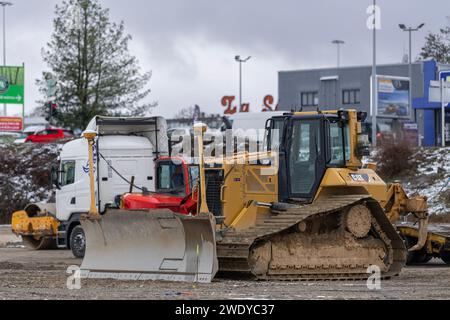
(124, 159)
(118, 161)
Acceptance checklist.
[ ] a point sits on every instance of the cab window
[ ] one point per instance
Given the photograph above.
(339, 144)
(276, 134)
(171, 178)
(67, 173)
(194, 174)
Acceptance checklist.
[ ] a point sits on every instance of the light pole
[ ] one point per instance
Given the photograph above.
(241, 61)
(338, 44)
(374, 79)
(4, 4)
(410, 31)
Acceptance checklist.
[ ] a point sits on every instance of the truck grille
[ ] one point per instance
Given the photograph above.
(214, 183)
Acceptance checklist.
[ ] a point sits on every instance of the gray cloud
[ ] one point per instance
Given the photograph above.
(190, 45)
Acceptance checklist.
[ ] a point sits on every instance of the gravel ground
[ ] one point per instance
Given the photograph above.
(33, 275)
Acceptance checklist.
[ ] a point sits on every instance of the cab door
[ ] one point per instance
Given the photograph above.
(306, 157)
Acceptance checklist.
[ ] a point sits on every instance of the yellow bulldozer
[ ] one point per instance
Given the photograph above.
(304, 209)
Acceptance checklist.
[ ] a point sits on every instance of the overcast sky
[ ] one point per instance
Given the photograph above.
(190, 45)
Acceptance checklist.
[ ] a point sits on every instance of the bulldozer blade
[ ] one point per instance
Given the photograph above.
(150, 245)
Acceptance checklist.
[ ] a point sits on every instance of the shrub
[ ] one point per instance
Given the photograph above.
(24, 176)
(395, 158)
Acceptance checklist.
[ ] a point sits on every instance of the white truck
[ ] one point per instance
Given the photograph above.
(124, 156)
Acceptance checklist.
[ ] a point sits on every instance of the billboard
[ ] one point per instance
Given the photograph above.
(12, 85)
(11, 124)
(393, 97)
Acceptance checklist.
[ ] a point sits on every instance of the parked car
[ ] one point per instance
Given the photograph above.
(50, 136)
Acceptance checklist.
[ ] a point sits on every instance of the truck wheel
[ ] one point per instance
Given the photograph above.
(445, 256)
(78, 242)
(39, 244)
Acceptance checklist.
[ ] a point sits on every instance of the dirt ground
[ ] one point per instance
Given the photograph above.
(32, 275)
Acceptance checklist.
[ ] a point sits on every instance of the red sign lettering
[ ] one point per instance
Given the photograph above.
(11, 124)
(227, 102)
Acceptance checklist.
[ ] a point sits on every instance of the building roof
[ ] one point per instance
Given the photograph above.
(352, 67)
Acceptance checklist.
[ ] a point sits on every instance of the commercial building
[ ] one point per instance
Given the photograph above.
(350, 87)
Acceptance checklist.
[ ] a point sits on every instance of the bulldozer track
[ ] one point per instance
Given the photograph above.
(234, 247)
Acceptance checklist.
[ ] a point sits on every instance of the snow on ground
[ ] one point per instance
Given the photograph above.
(432, 179)
(8, 239)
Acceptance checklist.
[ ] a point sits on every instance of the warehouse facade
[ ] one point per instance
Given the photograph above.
(350, 87)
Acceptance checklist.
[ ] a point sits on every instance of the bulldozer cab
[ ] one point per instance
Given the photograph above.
(308, 144)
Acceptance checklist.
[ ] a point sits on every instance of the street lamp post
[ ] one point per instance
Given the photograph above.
(241, 61)
(410, 31)
(338, 44)
(374, 79)
(4, 4)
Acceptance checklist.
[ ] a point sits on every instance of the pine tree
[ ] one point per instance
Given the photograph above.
(437, 46)
(89, 56)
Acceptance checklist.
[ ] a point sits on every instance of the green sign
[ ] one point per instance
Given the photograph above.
(12, 85)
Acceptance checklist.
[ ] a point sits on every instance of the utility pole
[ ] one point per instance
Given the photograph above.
(374, 79)
(338, 44)
(443, 105)
(4, 4)
(241, 61)
(410, 31)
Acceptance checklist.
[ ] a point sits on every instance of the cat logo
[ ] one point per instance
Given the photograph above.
(360, 177)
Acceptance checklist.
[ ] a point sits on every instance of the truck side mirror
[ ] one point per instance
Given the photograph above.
(54, 177)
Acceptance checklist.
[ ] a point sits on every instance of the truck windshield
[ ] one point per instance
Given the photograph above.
(339, 144)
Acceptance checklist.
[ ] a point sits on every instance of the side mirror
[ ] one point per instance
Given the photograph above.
(54, 177)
